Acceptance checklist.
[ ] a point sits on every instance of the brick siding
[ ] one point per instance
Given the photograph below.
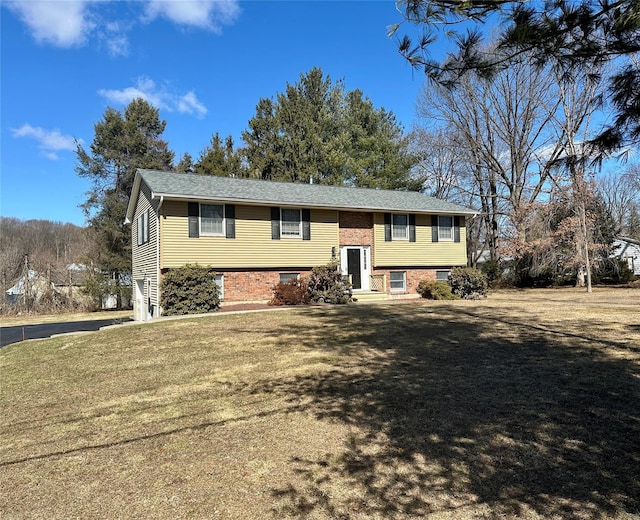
(356, 228)
(253, 286)
(413, 278)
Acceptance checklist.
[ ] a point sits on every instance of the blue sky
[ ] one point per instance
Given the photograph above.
(204, 64)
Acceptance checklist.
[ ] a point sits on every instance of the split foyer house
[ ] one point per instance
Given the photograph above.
(256, 233)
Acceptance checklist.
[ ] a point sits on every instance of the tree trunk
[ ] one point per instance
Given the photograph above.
(585, 235)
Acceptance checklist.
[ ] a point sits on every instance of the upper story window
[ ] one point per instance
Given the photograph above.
(291, 223)
(400, 227)
(445, 228)
(211, 219)
(143, 228)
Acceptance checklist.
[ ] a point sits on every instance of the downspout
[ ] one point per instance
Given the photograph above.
(158, 257)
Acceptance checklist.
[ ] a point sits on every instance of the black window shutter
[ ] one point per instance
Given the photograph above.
(306, 224)
(230, 220)
(456, 229)
(434, 228)
(412, 227)
(387, 227)
(194, 215)
(275, 223)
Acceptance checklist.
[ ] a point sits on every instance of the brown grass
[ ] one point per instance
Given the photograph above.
(524, 405)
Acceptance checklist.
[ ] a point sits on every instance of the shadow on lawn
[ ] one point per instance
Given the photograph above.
(453, 409)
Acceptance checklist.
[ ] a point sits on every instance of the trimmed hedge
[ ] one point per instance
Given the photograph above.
(190, 289)
(468, 283)
(435, 290)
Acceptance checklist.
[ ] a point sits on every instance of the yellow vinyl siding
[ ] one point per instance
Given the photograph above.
(252, 247)
(145, 255)
(422, 252)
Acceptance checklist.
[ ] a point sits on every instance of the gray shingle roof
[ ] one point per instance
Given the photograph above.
(208, 187)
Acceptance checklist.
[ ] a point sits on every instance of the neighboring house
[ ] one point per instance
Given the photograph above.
(34, 284)
(628, 249)
(257, 233)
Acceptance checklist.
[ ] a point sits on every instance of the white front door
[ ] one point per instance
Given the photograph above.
(355, 261)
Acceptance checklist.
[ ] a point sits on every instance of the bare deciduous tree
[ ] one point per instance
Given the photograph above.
(507, 140)
(620, 191)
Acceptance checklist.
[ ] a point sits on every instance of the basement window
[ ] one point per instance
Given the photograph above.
(220, 284)
(398, 281)
(442, 276)
(287, 277)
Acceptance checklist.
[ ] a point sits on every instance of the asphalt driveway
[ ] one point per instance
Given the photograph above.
(9, 335)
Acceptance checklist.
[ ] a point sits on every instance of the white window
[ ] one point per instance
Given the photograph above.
(400, 227)
(287, 277)
(143, 228)
(445, 228)
(211, 219)
(398, 280)
(291, 223)
(442, 276)
(220, 284)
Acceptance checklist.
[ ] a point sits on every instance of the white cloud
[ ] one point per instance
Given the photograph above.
(162, 98)
(189, 104)
(202, 14)
(114, 37)
(144, 88)
(49, 141)
(117, 45)
(71, 23)
(60, 23)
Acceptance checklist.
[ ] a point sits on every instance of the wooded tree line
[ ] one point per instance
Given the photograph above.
(516, 146)
(581, 55)
(314, 131)
(47, 248)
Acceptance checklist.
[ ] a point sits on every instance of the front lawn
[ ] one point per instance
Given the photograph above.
(523, 405)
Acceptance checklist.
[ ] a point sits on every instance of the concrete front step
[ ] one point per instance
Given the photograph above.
(370, 296)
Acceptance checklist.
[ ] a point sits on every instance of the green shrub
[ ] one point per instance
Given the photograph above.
(468, 283)
(493, 272)
(435, 290)
(326, 284)
(612, 271)
(293, 292)
(190, 289)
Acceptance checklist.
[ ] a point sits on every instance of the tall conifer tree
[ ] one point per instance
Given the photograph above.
(123, 142)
